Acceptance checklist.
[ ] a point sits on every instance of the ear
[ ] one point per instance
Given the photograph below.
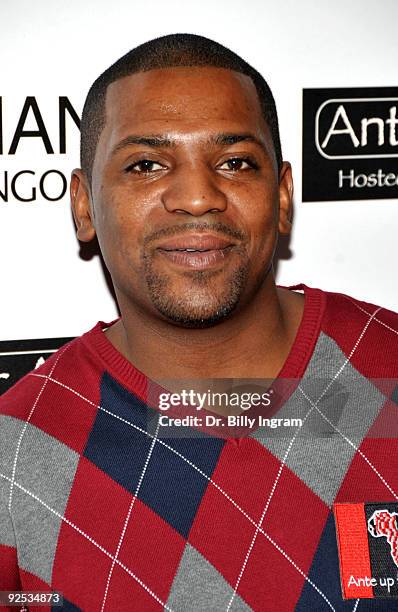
(285, 199)
(81, 206)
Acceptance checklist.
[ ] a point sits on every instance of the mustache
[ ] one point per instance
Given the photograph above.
(201, 227)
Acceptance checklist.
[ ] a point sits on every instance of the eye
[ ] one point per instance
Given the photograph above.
(239, 163)
(144, 166)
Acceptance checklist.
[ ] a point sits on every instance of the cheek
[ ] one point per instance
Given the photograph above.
(120, 230)
(259, 216)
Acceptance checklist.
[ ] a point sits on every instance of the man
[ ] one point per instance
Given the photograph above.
(106, 497)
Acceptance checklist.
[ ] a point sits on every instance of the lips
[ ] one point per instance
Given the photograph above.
(196, 251)
(195, 243)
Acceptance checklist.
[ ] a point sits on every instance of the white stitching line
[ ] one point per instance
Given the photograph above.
(378, 320)
(300, 571)
(90, 539)
(14, 467)
(355, 606)
(195, 467)
(129, 512)
(314, 405)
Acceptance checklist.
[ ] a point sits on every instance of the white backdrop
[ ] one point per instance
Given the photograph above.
(52, 48)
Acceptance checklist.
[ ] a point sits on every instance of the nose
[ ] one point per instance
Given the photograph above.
(193, 189)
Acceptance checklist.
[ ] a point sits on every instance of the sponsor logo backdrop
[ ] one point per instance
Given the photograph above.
(344, 239)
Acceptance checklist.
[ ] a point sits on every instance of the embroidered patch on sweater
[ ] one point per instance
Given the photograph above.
(367, 538)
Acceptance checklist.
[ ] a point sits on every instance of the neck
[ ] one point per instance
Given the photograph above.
(252, 343)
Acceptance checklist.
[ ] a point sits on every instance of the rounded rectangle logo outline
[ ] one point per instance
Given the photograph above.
(330, 100)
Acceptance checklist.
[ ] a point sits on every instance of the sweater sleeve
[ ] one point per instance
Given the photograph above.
(9, 574)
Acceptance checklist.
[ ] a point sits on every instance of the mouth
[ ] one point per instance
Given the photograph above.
(199, 252)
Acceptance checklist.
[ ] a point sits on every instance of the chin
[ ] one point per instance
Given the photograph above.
(196, 320)
(197, 302)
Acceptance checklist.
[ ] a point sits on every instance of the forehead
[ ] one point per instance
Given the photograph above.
(185, 98)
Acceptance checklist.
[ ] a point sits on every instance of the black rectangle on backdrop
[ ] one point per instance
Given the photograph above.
(18, 357)
(350, 143)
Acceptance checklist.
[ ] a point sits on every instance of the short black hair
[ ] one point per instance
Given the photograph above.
(167, 52)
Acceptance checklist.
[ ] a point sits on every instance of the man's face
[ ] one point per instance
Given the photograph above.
(185, 193)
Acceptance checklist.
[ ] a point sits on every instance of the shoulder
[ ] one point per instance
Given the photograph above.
(73, 368)
(366, 333)
(51, 408)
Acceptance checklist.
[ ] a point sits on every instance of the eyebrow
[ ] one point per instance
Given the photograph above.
(161, 141)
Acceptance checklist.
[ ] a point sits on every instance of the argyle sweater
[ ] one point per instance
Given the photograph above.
(97, 505)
